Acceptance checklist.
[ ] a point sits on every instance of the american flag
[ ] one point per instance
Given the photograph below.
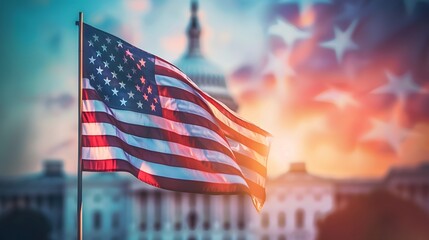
(143, 115)
(353, 80)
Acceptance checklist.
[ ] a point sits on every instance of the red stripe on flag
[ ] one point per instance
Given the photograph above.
(164, 182)
(158, 157)
(160, 70)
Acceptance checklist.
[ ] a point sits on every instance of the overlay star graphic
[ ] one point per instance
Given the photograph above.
(342, 41)
(279, 65)
(400, 86)
(388, 132)
(339, 98)
(288, 32)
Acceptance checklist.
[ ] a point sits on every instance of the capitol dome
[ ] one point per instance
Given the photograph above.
(204, 73)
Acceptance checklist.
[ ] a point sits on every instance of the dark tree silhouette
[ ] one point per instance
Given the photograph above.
(24, 224)
(376, 216)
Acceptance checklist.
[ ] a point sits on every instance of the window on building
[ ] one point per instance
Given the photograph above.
(265, 220)
(97, 198)
(207, 212)
(282, 219)
(226, 212)
(299, 218)
(318, 196)
(265, 237)
(282, 237)
(192, 220)
(241, 212)
(96, 220)
(158, 210)
(143, 210)
(51, 201)
(178, 211)
(39, 200)
(116, 198)
(116, 220)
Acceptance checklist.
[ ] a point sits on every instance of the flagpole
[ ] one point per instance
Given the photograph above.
(79, 160)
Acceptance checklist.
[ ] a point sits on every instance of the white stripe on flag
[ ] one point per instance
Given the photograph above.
(172, 82)
(103, 153)
(240, 148)
(185, 106)
(150, 120)
(156, 145)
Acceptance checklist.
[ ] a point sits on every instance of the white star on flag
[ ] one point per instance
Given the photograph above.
(91, 60)
(123, 102)
(107, 81)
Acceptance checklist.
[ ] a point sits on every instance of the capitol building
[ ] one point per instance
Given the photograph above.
(119, 206)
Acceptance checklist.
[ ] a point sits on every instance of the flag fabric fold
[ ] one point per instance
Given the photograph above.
(142, 115)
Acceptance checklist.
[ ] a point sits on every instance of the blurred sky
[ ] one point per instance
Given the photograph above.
(38, 74)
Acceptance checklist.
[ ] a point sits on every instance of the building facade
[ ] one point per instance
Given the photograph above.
(118, 206)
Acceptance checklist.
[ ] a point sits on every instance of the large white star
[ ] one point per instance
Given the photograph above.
(400, 86)
(304, 5)
(288, 32)
(388, 132)
(341, 99)
(279, 66)
(342, 41)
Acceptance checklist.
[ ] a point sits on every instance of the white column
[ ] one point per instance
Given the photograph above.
(150, 207)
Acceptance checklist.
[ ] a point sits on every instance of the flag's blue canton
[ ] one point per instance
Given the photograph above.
(122, 75)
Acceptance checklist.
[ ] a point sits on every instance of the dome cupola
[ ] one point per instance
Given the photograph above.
(203, 72)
